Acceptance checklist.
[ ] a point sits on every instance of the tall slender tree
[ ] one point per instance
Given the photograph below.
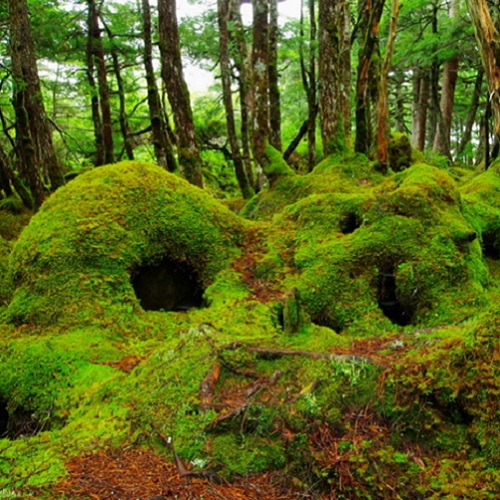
(161, 143)
(33, 144)
(330, 98)
(223, 21)
(178, 93)
(97, 60)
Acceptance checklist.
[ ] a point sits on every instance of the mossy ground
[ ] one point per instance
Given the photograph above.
(396, 410)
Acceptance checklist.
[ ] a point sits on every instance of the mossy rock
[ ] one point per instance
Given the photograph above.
(403, 250)
(77, 258)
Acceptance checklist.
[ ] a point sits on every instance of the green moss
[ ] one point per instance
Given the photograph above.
(75, 259)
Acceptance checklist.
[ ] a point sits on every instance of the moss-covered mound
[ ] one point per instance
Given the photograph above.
(112, 228)
(390, 391)
(402, 250)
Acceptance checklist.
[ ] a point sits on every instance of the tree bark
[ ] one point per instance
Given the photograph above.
(345, 66)
(178, 93)
(274, 93)
(242, 63)
(383, 130)
(223, 18)
(260, 64)
(98, 57)
(370, 22)
(162, 146)
(450, 74)
(421, 85)
(124, 128)
(329, 73)
(32, 129)
(471, 118)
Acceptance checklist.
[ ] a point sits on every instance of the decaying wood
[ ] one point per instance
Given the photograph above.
(181, 468)
(345, 358)
(207, 387)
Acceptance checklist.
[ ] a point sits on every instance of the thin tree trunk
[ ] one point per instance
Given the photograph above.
(345, 66)
(330, 111)
(312, 105)
(94, 98)
(260, 63)
(473, 107)
(124, 128)
(450, 74)
(162, 146)
(97, 53)
(274, 93)
(223, 17)
(383, 131)
(421, 105)
(242, 63)
(370, 15)
(178, 93)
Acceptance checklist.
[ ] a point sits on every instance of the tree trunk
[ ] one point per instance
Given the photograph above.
(162, 146)
(223, 18)
(345, 66)
(97, 54)
(242, 62)
(274, 93)
(488, 40)
(421, 104)
(383, 130)
(26, 99)
(370, 22)
(5, 173)
(124, 128)
(450, 73)
(471, 118)
(312, 105)
(330, 110)
(260, 64)
(178, 93)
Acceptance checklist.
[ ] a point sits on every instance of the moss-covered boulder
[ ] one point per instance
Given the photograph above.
(402, 250)
(113, 229)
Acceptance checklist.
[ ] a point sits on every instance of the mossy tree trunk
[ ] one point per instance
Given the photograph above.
(178, 93)
(383, 129)
(34, 148)
(5, 173)
(274, 92)
(371, 12)
(345, 66)
(162, 146)
(329, 69)
(242, 63)
(96, 54)
(260, 80)
(223, 19)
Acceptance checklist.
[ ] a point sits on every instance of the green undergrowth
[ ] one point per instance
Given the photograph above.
(348, 332)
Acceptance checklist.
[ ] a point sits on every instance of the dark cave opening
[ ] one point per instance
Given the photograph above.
(490, 245)
(349, 223)
(167, 286)
(19, 423)
(388, 298)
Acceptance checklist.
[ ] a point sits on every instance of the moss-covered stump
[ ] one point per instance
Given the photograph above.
(116, 228)
(402, 250)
